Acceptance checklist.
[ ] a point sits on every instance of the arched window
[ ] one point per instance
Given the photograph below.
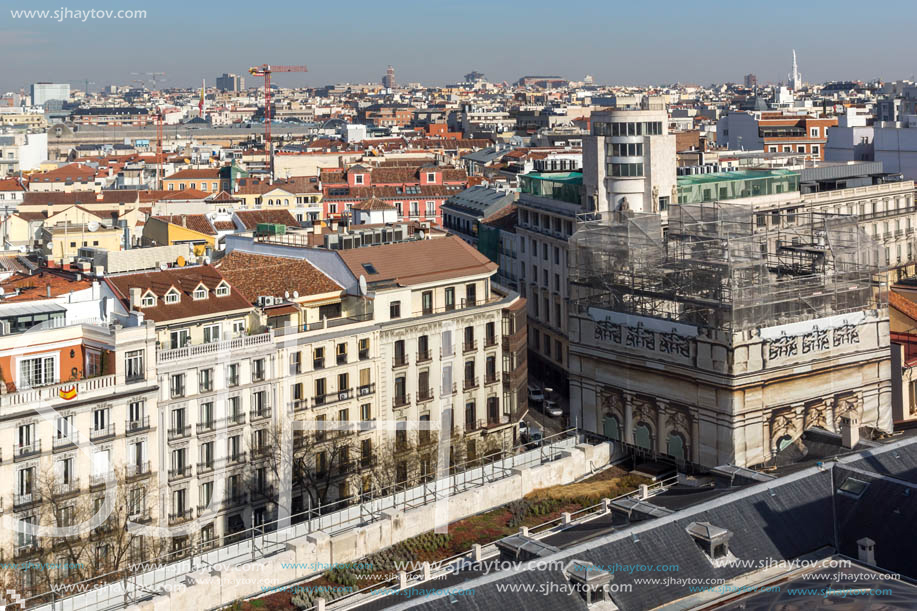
(675, 447)
(783, 442)
(611, 427)
(643, 438)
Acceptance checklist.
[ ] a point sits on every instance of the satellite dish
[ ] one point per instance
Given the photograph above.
(180, 261)
(286, 294)
(295, 294)
(23, 249)
(420, 234)
(362, 285)
(206, 260)
(163, 266)
(92, 226)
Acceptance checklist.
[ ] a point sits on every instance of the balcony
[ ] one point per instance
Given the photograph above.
(424, 394)
(213, 348)
(137, 471)
(424, 356)
(205, 427)
(263, 493)
(341, 359)
(334, 397)
(132, 427)
(234, 498)
(179, 473)
(237, 459)
(231, 421)
(490, 342)
(400, 360)
(470, 346)
(300, 404)
(28, 549)
(105, 432)
(180, 516)
(179, 432)
(48, 395)
(260, 452)
(23, 451)
(469, 383)
(24, 501)
(363, 354)
(318, 363)
(256, 414)
(366, 390)
(401, 400)
(491, 378)
(63, 443)
(472, 425)
(99, 480)
(61, 489)
(205, 467)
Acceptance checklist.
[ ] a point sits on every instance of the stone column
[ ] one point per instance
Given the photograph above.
(628, 417)
(661, 420)
(831, 414)
(695, 437)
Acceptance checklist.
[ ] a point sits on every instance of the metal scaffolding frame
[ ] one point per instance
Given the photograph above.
(717, 266)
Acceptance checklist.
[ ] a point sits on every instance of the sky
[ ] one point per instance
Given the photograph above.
(437, 41)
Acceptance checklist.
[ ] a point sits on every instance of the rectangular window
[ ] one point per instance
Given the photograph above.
(426, 299)
(36, 372)
(450, 298)
(211, 334)
(394, 309)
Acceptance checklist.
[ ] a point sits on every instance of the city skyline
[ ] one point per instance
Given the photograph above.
(379, 38)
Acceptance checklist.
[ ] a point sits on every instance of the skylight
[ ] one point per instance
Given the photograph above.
(854, 487)
(369, 268)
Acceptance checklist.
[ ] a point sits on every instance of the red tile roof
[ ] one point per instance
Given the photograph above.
(195, 222)
(256, 275)
(251, 218)
(185, 280)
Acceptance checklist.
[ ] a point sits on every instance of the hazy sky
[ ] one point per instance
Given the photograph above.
(437, 41)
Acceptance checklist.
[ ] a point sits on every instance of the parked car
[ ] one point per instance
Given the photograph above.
(523, 427)
(536, 394)
(537, 438)
(552, 409)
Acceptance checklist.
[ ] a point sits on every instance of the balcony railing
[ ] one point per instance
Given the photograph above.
(233, 460)
(21, 501)
(206, 427)
(136, 426)
(138, 470)
(102, 433)
(490, 342)
(491, 378)
(400, 360)
(363, 354)
(227, 346)
(179, 473)
(318, 363)
(300, 404)
(263, 493)
(45, 395)
(101, 479)
(333, 397)
(401, 400)
(61, 443)
(205, 467)
(255, 414)
(21, 451)
(469, 383)
(231, 421)
(180, 516)
(470, 346)
(424, 355)
(234, 498)
(342, 359)
(179, 432)
(65, 488)
(424, 394)
(366, 390)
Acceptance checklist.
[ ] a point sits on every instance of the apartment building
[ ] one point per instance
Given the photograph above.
(775, 132)
(79, 424)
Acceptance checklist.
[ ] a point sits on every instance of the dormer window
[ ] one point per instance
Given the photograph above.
(172, 296)
(222, 290)
(431, 176)
(358, 179)
(148, 301)
(200, 293)
(713, 540)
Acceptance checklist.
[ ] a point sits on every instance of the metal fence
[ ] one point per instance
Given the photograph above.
(259, 542)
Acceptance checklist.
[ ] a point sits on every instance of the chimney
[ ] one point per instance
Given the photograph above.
(316, 227)
(48, 290)
(850, 430)
(184, 220)
(866, 551)
(334, 225)
(134, 297)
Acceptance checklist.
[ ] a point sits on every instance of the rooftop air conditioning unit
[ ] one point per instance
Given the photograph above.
(265, 300)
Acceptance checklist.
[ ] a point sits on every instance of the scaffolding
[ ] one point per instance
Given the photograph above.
(717, 266)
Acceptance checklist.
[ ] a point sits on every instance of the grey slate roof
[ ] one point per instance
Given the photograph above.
(479, 201)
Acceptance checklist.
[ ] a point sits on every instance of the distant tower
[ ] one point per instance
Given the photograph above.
(388, 81)
(751, 81)
(794, 76)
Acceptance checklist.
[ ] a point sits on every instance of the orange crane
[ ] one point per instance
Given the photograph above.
(266, 70)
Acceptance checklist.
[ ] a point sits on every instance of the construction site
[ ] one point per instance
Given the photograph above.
(712, 267)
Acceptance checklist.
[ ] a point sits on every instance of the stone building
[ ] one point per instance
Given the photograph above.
(722, 343)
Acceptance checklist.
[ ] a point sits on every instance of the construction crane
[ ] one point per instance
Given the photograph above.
(266, 70)
(160, 162)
